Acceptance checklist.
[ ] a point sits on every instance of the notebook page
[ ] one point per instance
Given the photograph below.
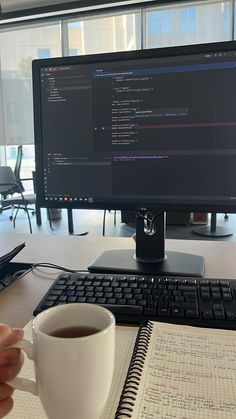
(27, 406)
(191, 374)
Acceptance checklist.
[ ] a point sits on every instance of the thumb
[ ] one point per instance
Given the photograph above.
(9, 336)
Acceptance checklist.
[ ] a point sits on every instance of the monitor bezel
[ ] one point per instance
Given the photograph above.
(188, 206)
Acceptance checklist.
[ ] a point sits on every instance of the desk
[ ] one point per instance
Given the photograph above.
(18, 301)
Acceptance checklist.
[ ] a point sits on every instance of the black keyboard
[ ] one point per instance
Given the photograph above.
(132, 299)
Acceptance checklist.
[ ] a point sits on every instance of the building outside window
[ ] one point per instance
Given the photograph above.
(44, 53)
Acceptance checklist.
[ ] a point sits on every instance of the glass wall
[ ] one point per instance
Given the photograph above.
(189, 23)
(17, 50)
(120, 32)
(147, 27)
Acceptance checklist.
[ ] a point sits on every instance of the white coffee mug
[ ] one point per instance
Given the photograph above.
(72, 375)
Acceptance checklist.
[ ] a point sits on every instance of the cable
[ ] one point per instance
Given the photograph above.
(18, 273)
(55, 266)
(48, 265)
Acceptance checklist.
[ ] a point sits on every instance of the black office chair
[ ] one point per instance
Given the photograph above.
(104, 221)
(17, 173)
(8, 187)
(17, 167)
(17, 170)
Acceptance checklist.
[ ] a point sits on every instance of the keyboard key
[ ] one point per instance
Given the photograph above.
(88, 294)
(227, 296)
(111, 301)
(214, 282)
(72, 299)
(164, 312)
(62, 298)
(191, 313)
(186, 288)
(91, 300)
(117, 309)
(176, 292)
(148, 311)
(216, 296)
(48, 304)
(207, 314)
(81, 299)
(56, 292)
(177, 312)
(204, 282)
(178, 298)
(100, 300)
(219, 314)
(215, 289)
(190, 297)
(186, 304)
(231, 315)
(121, 301)
(218, 307)
(52, 298)
(60, 287)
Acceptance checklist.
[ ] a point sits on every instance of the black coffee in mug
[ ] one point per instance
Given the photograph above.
(74, 332)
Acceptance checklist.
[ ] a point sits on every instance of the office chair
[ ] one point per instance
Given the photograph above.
(17, 170)
(17, 167)
(8, 187)
(17, 175)
(104, 221)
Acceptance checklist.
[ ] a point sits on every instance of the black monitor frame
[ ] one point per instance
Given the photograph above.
(145, 240)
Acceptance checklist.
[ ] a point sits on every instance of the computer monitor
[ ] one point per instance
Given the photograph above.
(149, 130)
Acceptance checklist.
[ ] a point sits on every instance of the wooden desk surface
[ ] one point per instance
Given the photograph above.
(18, 301)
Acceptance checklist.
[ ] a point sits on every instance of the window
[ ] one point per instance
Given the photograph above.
(105, 34)
(17, 50)
(44, 53)
(189, 20)
(73, 51)
(188, 23)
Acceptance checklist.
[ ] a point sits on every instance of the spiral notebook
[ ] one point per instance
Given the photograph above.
(180, 372)
(161, 371)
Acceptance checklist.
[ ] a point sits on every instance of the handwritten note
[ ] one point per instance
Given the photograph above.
(190, 373)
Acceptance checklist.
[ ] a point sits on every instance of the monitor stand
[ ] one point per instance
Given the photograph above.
(213, 230)
(150, 257)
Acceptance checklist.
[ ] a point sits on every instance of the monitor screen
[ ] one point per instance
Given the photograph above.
(144, 130)
(152, 128)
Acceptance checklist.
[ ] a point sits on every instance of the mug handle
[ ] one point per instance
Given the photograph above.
(24, 384)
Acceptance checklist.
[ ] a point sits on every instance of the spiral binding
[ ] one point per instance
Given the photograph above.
(134, 374)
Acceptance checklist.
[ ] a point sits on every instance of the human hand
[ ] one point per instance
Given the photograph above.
(10, 365)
